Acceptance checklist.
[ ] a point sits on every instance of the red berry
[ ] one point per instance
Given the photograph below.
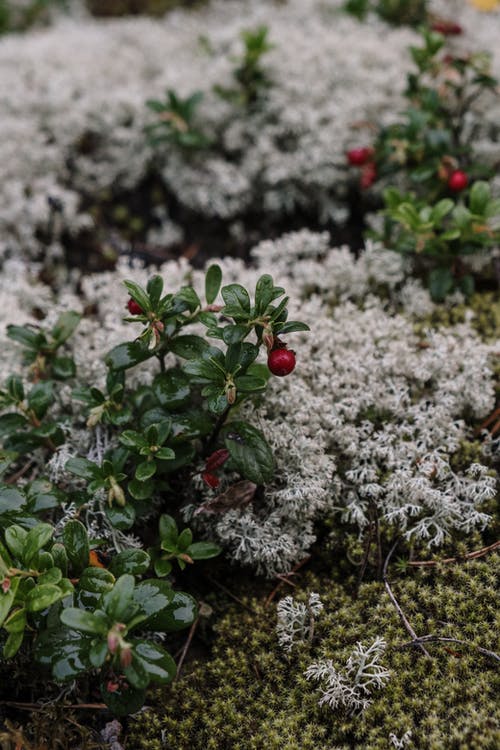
(281, 361)
(458, 181)
(210, 479)
(133, 307)
(448, 28)
(357, 157)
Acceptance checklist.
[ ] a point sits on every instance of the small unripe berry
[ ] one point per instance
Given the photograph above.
(357, 157)
(458, 181)
(281, 361)
(134, 308)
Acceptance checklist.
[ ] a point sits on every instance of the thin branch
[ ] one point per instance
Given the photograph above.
(284, 580)
(445, 639)
(469, 556)
(42, 706)
(229, 593)
(191, 633)
(22, 471)
(396, 603)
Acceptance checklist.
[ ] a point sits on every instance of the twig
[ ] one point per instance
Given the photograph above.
(230, 594)
(22, 471)
(284, 580)
(42, 706)
(431, 638)
(191, 633)
(395, 601)
(469, 556)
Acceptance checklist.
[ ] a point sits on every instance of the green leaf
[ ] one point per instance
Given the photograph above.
(15, 537)
(265, 293)
(154, 289)
(98, 653)
(11, 423)
(139, 295)
(35, 540)
(157, 662)
(40, 398)
(145, 471)
(152, 597)
(250, 452)
(64, 368)
(75, 539)
(16, 621)
(64, 651)
(121, 518)
(189, 346)
(15, 388)
(10, 499)
(52, 575)
(96, 580)
(7, 599)
(31, 339)
(117, 601)
(134, 440)
(441, 282)
(124, 700)
(141, 490)
(127, 355)
(162, 567)
(13, 644)
(172, 389)
(213, 280)
(136, 673)
(178, 614)
(168, 530)
(165, 454)
(83, 468)
(184, 539)
(236, 296)
(86, 622)
(479, 197)
(132, 561)
(249, 384)
(203, 550)
(234, 334)
(441, 210)
(65, 326)
(43, 596)
(204, 371)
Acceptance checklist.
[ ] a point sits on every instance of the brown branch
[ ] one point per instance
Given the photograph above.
(469, 556)
(42, 706)
(22, 471)
(284, 579)
(230, 594)
(445, 639)
(396, 604)
(191, 633)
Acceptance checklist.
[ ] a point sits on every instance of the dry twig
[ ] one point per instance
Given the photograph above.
(469, 556)
(446, 639)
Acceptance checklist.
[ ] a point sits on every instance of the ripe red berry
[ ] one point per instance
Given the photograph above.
(210, 479)
(458, 181)
(448, 28)
(281, 361)
(357, 157)
(133, 307)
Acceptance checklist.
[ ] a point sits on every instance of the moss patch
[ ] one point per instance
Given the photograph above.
(251, 696)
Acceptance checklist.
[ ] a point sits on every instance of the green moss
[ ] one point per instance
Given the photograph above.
(250, 696)
(486, 320)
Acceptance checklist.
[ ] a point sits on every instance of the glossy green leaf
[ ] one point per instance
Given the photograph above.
(76, 542)
(132, 561)
(86, 622)
(139, 295)
(168, 529)
(40, 398)
(13, 644)
(189, 346)
(236, 296)
(250, 452)
(158, 664)
(117, 601)
(172, 389)
(84, 468)
(15, 537)
(42, 596)
(203, 550)
(98, 653)
(145, 471)
(96, 580)
(178, 614)
(153, 597)
(11, 500)
(36, 539)
(65, 326)
(10, 423)
(64, 651)
(213, 280)
(122, 700)
(136, 673)
(63, 368)
(16, 621)
(127, 355)
(141, 490)
(121, 518)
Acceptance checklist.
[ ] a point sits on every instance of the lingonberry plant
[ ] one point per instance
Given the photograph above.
(76, 595)
(251, 80)
(447, 212)
(176, 122)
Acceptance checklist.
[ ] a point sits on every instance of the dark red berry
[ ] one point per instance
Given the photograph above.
(281, 361)
(133, 307)
(448, 28)
(357, 157)
(458, 181)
